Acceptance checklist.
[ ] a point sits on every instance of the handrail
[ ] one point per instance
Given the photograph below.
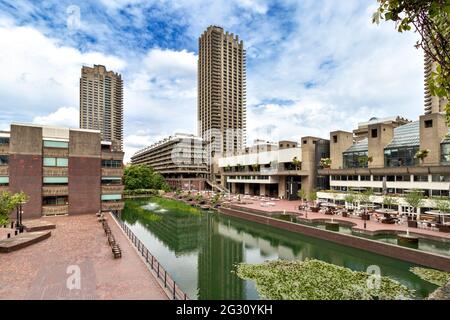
(162, 276)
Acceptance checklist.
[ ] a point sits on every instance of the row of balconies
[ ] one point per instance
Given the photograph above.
(55, 152)
(64, 190)
(55, 210)
(112, 205)
(4, 170)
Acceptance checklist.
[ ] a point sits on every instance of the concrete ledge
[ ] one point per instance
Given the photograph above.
(38, 225)
(411, 255)
(23, 240)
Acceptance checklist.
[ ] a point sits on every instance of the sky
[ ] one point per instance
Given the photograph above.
(313, 66)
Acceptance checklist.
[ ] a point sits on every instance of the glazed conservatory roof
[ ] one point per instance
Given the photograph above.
(407, 135)
(360, 146)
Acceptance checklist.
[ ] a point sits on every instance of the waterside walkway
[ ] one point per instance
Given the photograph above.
(77, 247)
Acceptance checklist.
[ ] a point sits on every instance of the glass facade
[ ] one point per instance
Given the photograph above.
(445, 152)
(356, 159)
(400, 157)
(56, 144)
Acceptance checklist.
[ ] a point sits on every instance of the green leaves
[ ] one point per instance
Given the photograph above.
(436, 277)
(8, 202)
(318, 280)
(143, 177)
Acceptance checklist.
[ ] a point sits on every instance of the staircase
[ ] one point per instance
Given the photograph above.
(217, 187)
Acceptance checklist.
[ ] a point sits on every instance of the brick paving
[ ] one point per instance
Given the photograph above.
(78, 246)
(371, 226)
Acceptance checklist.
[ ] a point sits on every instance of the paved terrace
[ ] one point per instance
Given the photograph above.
(40, 271)
(371, 226)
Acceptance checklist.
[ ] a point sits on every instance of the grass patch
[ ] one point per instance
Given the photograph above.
(436, 277)
(176, 206)
(318, 280)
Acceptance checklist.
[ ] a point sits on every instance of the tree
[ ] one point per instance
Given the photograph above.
(301, 194)
(389, 201)
(414, 199)
(312, 196)
(8, 202)
(429, 18)
(297, 163)
(365, 197)
(325, 162)
(443, 205)
(422, 154)
(350, 198)
(143, 177)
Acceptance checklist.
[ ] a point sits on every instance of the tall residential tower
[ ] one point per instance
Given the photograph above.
(433, 104)
(101, 103)
(221, 92)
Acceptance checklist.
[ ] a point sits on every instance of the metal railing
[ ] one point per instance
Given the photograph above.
(162, 276)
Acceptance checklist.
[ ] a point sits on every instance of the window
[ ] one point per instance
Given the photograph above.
(56, 180)
(399, 157)
(4, 181)
(439, 178)
(445, 152)
(335, 139)
(55, 201)
(4, 159)
(55, 162)
(305, 141)
(56, 144)
(365, 178)
(109, 197)
(421, 178)
(111, 163)
(390, 178)
(428, 123)
(374, 133)
(357, 159)
(403, 178)
(4, 140)
(111, 180)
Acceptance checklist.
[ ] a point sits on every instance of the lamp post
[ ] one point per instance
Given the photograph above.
(20, 217)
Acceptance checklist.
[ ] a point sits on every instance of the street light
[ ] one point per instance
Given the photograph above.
(19, 210)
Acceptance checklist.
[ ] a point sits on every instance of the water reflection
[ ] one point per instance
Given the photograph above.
(200, 251)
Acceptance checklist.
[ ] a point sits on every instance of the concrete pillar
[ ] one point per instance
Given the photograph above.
(432, 130)
(233, 187)
(247, 188)
(282, 187)
(339, 142)
(262, 189)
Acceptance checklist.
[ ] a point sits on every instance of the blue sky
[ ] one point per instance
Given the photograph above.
(313, 66)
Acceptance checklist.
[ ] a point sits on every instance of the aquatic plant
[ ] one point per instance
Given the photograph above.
(436, 277)
(318, 280)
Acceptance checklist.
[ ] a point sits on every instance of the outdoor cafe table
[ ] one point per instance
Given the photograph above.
(328, 204)
(386, 212)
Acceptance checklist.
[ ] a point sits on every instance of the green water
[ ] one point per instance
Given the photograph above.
(200, 250)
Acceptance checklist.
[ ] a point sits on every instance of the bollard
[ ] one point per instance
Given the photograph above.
(9, 235)
(15, 232)
(12, 224)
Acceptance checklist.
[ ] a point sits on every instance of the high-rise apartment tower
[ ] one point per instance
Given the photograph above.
(221, 91)
(101, 103)
(433, 104)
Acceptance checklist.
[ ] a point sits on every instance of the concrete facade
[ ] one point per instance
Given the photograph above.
(61, 170)
(221, 109)
(101, 103)
(180, 159)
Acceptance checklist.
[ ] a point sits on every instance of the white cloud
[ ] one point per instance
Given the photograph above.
(64, 117)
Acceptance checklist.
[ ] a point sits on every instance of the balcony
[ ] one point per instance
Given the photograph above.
(112, 155)
(55, 152)
(55, 210)
(4, 148)
(112, 189)
(55, 172)
(4, 170)
(55, 191)
(107, 206)
(112, 172)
